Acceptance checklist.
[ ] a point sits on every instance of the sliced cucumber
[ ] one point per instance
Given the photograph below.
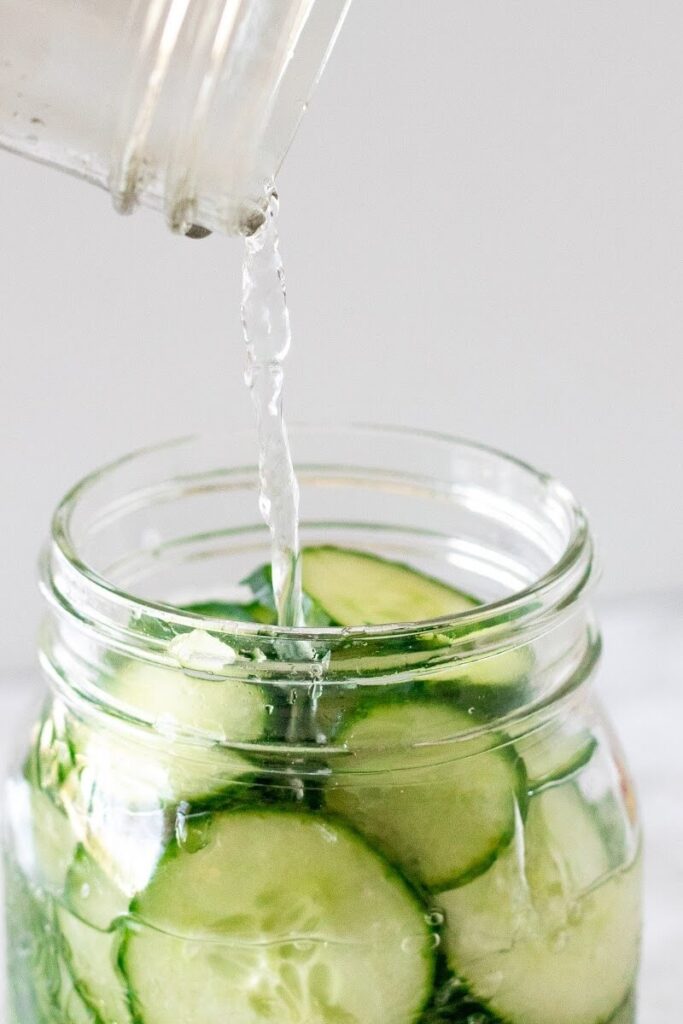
(226, 708)
(91, 895)
(506, 671)
(556, 755)
(87, 922)
(72, 1007)
(356, 588)
(548, 935)
(122, 783)
(139, 773)
(280, 918)
(443, 812)
(91, 958)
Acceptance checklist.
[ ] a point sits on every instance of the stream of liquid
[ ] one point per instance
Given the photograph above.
(267, 332)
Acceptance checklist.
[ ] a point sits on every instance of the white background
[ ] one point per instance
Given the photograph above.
(482, 220)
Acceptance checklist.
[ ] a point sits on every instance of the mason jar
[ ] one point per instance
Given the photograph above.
(185, 106)
(376, 823)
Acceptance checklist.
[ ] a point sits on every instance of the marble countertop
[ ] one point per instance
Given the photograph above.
(642, 680)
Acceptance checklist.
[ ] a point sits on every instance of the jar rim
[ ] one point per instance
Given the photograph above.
(557, 588)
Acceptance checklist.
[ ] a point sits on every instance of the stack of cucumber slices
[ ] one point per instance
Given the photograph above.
(444, 872)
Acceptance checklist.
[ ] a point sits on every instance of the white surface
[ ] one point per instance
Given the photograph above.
(482, 228)
(642, 679)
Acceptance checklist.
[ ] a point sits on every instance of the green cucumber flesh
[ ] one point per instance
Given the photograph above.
(91, 895)
(71, 1006)
(441, 817)
(87, 922)
(226, 708)
(280, 917)
(120, 785)
(548, 935)
(356, 588)
(506, 670)
(141, 775)
(91, 957)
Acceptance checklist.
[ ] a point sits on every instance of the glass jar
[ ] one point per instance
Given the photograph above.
(410, 822)
(187, 106)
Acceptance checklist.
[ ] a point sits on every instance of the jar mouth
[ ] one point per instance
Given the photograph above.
(73, 580)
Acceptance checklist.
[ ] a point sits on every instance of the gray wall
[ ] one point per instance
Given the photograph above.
(482, 223)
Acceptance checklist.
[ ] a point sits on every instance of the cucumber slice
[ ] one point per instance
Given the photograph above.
(356, 588)
(280, 917)
(506, 671)
(548, 935)
(552, 757)
(91, 895)
(139, 773)
(229, 709)
(441, 813)
(91, 957)
(122, 783)
(72, 1007)
(87, 923)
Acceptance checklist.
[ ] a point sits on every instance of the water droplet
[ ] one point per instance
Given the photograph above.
(470, 711)
(435, 918)
(413, 943)
(85, 891)
(299, 789)
(192, 831)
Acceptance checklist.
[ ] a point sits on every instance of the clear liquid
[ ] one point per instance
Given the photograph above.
(267, 332)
